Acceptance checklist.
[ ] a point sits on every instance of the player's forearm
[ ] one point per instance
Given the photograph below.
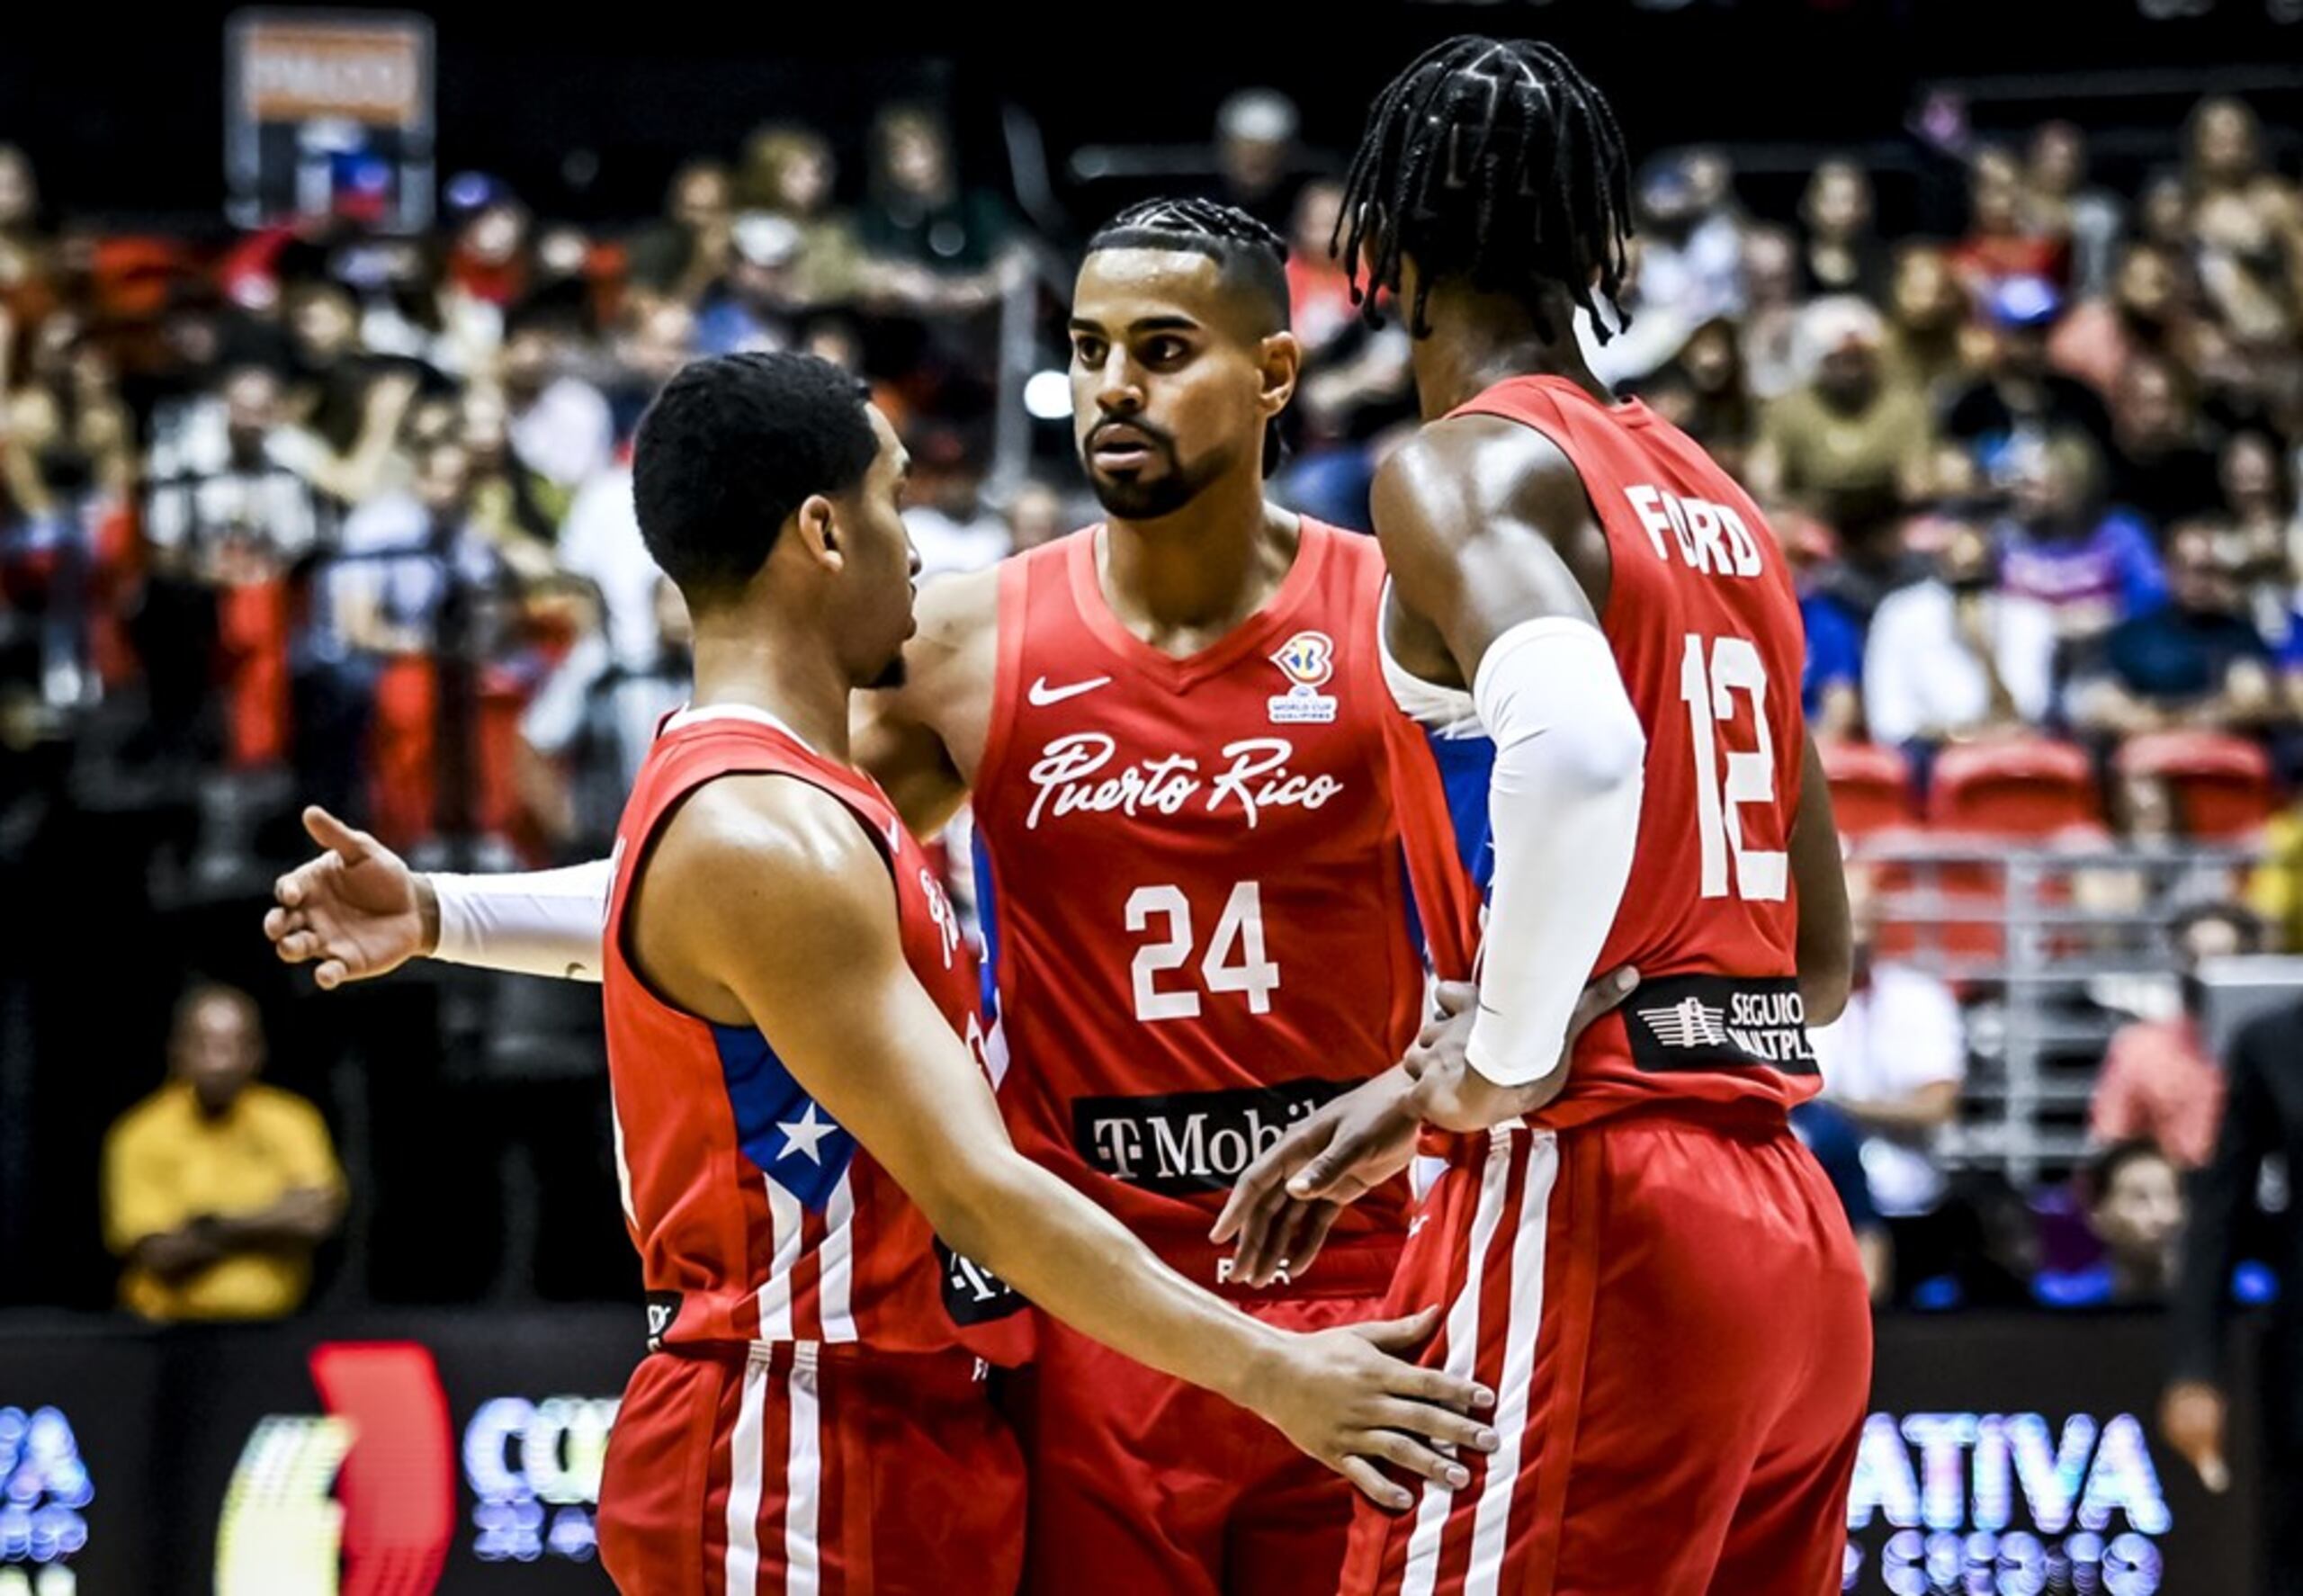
(540, 922)
(1079, 1263)
(1563, 809)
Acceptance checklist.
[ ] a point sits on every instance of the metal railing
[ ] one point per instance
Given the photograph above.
(2052, 949)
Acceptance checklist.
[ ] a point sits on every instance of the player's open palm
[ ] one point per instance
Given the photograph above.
(353, 913)
(1345, 1398)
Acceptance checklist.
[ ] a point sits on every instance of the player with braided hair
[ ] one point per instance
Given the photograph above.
(1628, 1241)
(1212, 855)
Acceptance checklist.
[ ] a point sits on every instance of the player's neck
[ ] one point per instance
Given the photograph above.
(1203, 569)
(769, 668)
(1480, 339)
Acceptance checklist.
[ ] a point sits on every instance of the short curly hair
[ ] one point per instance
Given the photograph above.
(730, 448)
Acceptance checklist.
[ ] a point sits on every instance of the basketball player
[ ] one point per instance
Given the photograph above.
(1633, 1247)
(1191, 795)
(796, 1063)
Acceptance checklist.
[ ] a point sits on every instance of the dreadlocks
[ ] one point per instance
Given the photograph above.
(1250, 255)
(1496, 162)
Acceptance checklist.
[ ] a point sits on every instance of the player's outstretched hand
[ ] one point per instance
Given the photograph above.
(354, 912)
(1343, 1396)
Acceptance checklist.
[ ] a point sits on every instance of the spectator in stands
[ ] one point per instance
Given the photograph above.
(2158, 1084)
(349, 410)
(231, 509)
(2159, 467)
(1840, 253)
(590, 726)
(2019, 392)
(2193, 662)
(216, 1187)
(1927, 344)
(2245, 226)
(2259, 533)
(600, 542)
(681, 255)
(2059, 203)
(402, 552)
(1771, 308)
(1893, 1063)
(2091, 568)
(514, 505)
(491, 255)
(1034, 516)
(2143, 314)
(656, 341)
(1320, 307)
(63, 434)
(1846, 445)
(2135, 1207)
(936, 246)
(2275, 887)
(26, 255)
(1257, 165)
(949, 523)
(789, 173)
(1704, 392)
(757, 305)
(559, 425)
(1831, 683)
(2000, 245)
(1956, 658)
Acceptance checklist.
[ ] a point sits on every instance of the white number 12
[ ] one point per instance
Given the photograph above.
(1761, 873)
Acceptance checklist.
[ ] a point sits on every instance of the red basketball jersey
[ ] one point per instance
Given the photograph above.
(1196, 882)
(757, 1218)
(1705, 629)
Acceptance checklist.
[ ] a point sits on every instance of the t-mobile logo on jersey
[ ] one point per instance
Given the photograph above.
(1073, 777)
(1711, 538)
(1190, 1141)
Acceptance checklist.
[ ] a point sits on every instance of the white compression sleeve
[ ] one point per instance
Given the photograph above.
(543, 922)
(1563, 812)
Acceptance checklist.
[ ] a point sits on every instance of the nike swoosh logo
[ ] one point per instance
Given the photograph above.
(1042, 694)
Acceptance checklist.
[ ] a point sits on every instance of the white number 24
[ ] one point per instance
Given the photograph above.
(1735, 668)
(1234, 961)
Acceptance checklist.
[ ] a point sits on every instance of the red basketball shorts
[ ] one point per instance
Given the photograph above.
(1670, 1309)
(803, 1470)
(1143, 1485)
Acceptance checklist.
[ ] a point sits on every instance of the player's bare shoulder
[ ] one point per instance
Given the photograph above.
(744, 855)
(952, 662)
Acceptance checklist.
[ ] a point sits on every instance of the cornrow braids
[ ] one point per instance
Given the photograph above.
(1493, 161)
(1250, 253)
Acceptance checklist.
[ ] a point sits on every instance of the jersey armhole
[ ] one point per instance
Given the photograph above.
(1556, 435)
(623, 920)
(1008, 618)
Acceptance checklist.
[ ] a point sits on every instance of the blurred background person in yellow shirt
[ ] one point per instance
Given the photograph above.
(217, 1189)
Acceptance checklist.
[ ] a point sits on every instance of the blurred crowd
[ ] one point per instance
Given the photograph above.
(320, 512)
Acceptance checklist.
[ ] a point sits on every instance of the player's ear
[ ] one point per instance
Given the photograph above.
(816, 526)
(1282, 361)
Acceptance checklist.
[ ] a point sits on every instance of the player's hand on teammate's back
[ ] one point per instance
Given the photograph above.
(1451, 1096)
(354, 912)
(1285, 1203)
(1345, 1397)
